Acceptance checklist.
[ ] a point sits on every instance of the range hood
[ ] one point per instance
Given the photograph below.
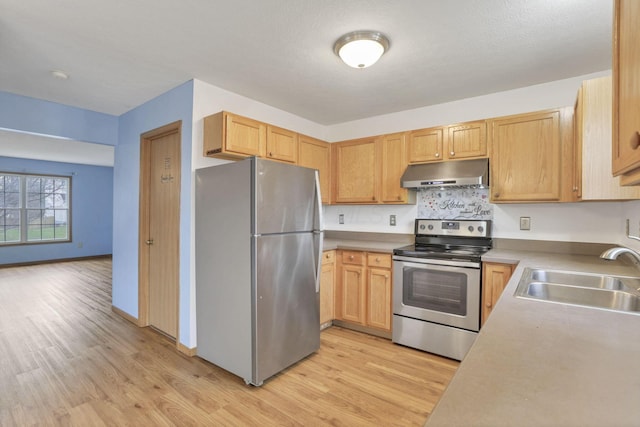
(454, 173)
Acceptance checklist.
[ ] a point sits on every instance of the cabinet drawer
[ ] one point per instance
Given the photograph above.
(353, 257)
(379, 260)
(328, 257)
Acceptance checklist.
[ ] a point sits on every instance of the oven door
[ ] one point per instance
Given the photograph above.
(444, 294)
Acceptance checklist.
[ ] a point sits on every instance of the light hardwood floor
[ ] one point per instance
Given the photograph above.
(67, 359)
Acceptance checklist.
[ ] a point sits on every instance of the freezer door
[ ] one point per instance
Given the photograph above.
(287, 318)
(284, 198)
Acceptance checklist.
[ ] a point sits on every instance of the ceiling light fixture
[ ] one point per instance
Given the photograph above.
(361, 49)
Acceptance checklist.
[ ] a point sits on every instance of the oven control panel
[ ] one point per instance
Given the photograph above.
(445, 227)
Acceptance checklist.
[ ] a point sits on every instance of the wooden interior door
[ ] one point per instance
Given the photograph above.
(159, 233)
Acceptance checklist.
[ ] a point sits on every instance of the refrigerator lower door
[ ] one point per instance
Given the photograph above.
(287, 317)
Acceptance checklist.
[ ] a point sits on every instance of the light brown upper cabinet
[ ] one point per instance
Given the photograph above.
(233, 137)
(460, 141)
(425, 145)
(356, 171)
(394, 163)
(593, 145)
(626, 91)
(316, 154)
(531, 156)
(466, 140)
(282, 145)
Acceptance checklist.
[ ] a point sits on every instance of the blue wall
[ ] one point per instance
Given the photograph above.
(91, 212)
(48, 118)
(92, 191)
(177, 104)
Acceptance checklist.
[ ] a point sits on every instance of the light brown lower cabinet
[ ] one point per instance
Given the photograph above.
(327, 287)
(363, 289)
(495, 277)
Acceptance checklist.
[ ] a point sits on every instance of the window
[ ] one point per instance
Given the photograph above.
(34, 208)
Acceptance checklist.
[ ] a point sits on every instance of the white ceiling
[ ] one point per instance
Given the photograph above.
(121, 53)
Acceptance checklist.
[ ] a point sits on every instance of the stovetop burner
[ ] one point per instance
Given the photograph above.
(449, 239)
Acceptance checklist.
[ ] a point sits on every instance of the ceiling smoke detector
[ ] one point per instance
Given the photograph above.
(61, 75)
(361, 49)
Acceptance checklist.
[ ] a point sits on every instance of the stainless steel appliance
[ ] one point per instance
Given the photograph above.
(437, 286)
(473, 173)
(258, 253)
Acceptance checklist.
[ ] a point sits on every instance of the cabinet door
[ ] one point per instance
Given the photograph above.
(315, 154)
(531, 156)
(282, 145)
(394, 164)
(494, 279)
(593, 152)
(626, 90)
(327, 287)
(244, 136)
(467, 140)
(356, 171)
(425, 145)
(379, 299)
(353, 294)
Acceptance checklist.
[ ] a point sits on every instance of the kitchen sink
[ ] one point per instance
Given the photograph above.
(617, 293)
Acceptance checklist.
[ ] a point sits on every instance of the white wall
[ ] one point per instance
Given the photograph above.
(631, 210)
(560, 93)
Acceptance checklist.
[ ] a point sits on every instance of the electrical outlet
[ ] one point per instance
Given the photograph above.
(392, 220)
(525, 223)
(341, 219)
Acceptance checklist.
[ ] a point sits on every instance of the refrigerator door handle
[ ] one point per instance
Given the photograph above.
(319, 225)
(318, 233)
(318, 237)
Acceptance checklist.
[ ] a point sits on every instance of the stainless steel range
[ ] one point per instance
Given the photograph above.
(437, 286)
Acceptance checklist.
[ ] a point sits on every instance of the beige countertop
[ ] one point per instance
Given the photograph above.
(372, 242)
(543, 364)
(360, 245)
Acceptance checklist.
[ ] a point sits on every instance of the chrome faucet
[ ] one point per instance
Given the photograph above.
(614, 253)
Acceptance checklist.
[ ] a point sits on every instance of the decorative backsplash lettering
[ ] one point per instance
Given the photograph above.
(457, 203)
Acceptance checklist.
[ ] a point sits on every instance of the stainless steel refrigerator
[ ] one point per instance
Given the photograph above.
(258, 254)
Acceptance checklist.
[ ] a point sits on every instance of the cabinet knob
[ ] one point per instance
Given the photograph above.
(399, 197)
(270, 154)
(496, 194)
(327, 256)
(378, 259)
(350, 257)
(437, 154)
(452, 153)
(635, 140)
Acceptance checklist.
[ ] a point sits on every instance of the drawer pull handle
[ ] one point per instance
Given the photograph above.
(635, 141)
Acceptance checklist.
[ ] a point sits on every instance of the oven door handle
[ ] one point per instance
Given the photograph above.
(431, 261)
